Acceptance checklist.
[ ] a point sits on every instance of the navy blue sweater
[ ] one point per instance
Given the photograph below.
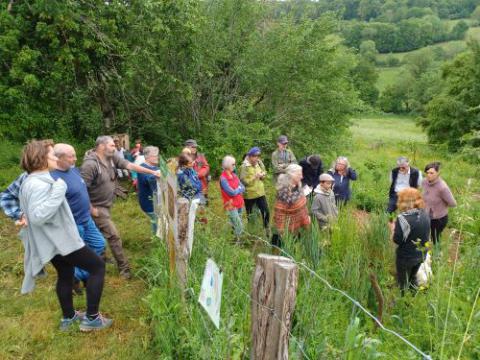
(341, 188)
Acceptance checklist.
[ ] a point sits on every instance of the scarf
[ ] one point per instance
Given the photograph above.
(404, 223)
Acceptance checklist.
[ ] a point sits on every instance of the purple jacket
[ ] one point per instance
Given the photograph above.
(438, 198)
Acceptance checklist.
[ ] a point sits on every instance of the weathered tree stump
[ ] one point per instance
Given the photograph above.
(274, 288)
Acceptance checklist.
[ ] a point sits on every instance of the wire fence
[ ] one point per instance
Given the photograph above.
(303, 266)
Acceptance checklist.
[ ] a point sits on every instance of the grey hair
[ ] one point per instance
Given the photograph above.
(402, 160)
(338, 159)
(285, 180)
(102, 140)
(227, 161)
(150, 151)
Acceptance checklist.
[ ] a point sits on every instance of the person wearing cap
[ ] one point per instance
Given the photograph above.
(200, 165)
(342, 173)
(282, 157)
(324, 207)
(252, 174)
(402, 177)
(312, 168)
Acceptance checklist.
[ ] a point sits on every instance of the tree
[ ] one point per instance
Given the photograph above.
(459, 30)
(368, 50)
(455, 111)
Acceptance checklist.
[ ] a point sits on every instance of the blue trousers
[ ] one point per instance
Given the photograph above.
(94, 239)
(153, 222)
(235, 217)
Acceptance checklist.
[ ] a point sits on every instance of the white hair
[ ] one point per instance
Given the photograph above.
(341, 159)
(150, 151)
(228, 161)
(285, 180)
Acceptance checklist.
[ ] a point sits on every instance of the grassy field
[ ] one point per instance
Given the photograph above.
(154, 321)
(28, 323)
(387, 76)
(387, 128)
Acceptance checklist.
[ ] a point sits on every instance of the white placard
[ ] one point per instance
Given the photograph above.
(211, 292)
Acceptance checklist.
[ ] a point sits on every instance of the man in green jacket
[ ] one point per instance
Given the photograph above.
(282, 157)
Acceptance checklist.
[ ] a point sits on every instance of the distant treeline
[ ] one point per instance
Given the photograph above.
(406, 35)
(390, 11)
(394, 26)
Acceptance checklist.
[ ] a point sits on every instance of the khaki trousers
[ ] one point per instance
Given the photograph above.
(108, 229)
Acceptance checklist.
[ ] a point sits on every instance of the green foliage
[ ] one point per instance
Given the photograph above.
(170, 70)
(454, 112)
(459, 30)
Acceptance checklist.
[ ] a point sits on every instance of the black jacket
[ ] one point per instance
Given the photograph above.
(419, 233)
(414, 175)
(310, 175)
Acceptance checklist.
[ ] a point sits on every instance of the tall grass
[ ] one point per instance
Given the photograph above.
(326, 325)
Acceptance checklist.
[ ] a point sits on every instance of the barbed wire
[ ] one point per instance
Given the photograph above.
(340, 291)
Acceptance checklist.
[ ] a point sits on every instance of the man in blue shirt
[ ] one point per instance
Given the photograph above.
(147, 185)
(78, 200)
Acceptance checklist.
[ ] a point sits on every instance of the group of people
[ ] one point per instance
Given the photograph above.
(422, 216)
(65, 212)
(65, 216)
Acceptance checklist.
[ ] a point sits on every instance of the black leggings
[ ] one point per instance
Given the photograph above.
(436, 228)
(262, 205)
(406, 273)
(87, 260)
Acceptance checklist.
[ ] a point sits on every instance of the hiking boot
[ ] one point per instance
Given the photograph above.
(126, 274)
(99, 323)
(66, 324)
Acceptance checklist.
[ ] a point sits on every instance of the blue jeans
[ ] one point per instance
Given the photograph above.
(93, 238)
(153, 222)
(235, 217)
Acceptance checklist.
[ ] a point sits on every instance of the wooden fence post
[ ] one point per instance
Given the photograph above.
(274, 291)
(181, 242)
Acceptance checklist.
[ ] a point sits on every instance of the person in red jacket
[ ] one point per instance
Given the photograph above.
(232, 190)
(200, 165)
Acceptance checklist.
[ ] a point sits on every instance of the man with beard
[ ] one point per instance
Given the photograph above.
(99, 171)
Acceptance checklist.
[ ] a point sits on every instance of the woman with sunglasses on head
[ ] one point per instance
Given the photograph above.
(342, 173)
(52, 236)
(438, 198)
(232, 194)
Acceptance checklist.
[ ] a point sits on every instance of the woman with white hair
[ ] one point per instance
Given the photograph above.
(291, 213)
(342, 173)
(147, 185)
(232, 190)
